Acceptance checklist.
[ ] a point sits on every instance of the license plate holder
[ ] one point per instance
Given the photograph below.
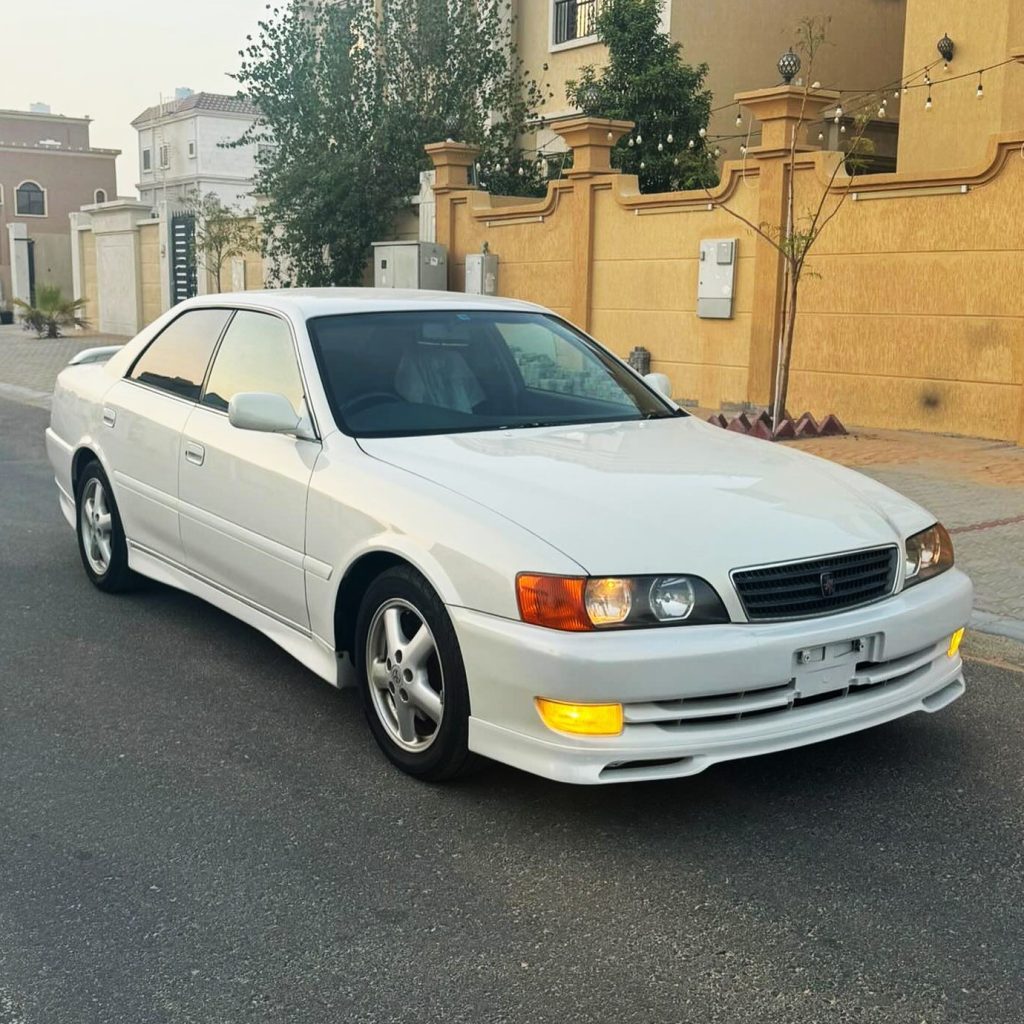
(821, 668)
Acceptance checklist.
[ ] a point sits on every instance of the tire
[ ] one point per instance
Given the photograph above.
(413, 683)
(103, 548)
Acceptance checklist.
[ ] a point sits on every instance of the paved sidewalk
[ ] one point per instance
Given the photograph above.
(29, 365)
(974, 487)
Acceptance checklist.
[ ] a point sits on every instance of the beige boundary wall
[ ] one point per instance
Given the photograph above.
(911, 313)
(121, 265)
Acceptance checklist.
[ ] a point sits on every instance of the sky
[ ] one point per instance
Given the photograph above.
(110, 59)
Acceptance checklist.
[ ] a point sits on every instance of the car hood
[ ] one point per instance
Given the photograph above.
(661, 496)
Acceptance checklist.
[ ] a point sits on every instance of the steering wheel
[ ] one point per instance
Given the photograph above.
(368, 399)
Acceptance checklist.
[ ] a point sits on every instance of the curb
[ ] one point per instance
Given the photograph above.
(986, 622)
(26, 395)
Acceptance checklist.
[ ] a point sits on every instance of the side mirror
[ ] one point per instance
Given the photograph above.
(263, 410)
(660, 383)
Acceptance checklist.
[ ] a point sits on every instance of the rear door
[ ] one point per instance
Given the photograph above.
(243, 492)
(143, 417)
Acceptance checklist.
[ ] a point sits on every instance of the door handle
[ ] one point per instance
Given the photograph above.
(194, 453)
(109, 416)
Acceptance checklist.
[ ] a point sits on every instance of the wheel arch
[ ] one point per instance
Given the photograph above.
(82, 457)
(355, 581)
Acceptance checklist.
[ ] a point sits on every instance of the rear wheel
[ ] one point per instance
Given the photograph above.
(413, 679)
(101, 541)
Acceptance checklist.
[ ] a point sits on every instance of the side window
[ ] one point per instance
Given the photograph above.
(176, 360)
(551, 362)
(256, 354)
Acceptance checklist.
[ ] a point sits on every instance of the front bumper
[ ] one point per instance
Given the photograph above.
(697, 695)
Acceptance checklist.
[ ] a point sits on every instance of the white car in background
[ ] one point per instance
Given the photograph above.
(510, 542)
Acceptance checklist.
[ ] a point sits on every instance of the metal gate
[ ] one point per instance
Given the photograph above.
(183, 257)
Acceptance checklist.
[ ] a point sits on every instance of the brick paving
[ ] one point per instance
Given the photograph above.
(29, 365)
(975, 487)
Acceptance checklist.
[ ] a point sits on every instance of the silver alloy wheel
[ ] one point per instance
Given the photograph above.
(405, 675)
(96, 526)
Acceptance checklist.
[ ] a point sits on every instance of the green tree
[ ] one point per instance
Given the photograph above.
(221, 233)
(51, 312)
(646, 81)
(350, 94)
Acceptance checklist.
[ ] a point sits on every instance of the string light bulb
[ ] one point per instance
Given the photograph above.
(739, 120)
(631, 143)
(670, 138)
(842, 129)
(639, 139)
(690, 144)
(703, 133)
(881, 111)
(928, 101)
(981, 88)
(642, 165)
(718, 152)
(661, 148)
(611, 137)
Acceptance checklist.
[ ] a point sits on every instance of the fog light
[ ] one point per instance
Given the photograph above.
(954, 642)
(581, 719)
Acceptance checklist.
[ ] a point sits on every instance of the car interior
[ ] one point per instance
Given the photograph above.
(402, 373)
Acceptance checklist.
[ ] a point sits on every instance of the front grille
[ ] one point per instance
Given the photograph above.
(820, 586)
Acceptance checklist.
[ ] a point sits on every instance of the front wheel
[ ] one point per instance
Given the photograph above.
(101, 540)
(413, 679)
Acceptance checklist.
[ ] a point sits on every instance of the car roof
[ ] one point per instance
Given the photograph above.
(310, 302)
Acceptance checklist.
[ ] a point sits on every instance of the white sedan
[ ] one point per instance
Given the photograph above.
(514, 545)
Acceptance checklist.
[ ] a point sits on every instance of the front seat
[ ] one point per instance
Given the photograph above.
(436, 374)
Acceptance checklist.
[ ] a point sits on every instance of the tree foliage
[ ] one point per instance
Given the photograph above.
(220, 232)
(646, 81)
(348, 97)
(51, 312)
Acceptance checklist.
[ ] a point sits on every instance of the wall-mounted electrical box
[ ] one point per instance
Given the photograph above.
(410, 265)
(716, 278)
(481, 273)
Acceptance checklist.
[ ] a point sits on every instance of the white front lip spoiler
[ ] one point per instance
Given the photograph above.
(509, 663)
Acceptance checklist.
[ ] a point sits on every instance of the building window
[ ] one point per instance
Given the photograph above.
(574, 19)
(191, 150)
(164, 162)
(30, 200)
(99, 196)
(147, 160)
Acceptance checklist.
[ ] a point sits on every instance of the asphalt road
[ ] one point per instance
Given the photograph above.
(195, 829)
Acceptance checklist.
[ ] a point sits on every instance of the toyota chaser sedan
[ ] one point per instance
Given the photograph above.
(510, 542)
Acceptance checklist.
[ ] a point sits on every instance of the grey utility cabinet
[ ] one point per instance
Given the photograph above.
(410, 265)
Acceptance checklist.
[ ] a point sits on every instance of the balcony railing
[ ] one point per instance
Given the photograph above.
(575, 19)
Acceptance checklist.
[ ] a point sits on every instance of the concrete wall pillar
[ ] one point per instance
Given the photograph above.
(19, 243)
(118, 272)
(786, 114)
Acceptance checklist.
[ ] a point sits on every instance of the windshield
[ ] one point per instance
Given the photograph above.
(446, 371)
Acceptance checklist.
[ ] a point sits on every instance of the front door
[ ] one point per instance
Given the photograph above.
(243, 492)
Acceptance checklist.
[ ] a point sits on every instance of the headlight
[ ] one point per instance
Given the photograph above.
(578, 604)
(927, 554)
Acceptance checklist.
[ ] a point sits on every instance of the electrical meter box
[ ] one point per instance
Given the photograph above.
(410, 265)
(481, 273)
(716, 278)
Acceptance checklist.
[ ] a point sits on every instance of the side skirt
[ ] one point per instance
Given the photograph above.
(302, 645)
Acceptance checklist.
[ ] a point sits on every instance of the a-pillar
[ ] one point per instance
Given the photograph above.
(786, 112)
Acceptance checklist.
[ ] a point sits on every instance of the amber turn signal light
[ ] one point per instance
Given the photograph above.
(581, 719)
(553, 601)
